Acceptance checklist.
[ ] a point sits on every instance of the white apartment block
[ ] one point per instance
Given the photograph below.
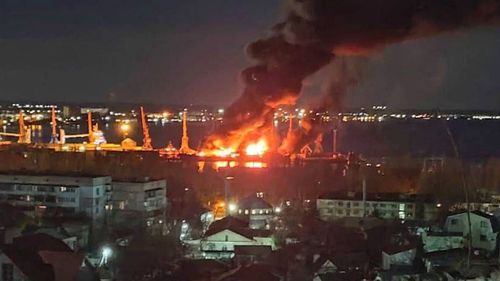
(66, 195)
(386, 206)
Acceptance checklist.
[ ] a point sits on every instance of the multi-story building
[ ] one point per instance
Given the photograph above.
(63, 195)
(385, 205)
(147, 199)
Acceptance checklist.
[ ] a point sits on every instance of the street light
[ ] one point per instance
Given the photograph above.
(125, 128)
(232, 207)
(106, 253)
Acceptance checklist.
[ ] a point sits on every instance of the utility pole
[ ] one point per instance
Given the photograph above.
(334, 137)
(364, 195)
(227, 189)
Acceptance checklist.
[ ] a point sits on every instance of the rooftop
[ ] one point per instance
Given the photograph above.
(237, 226)
(253, 202)
(383, 197)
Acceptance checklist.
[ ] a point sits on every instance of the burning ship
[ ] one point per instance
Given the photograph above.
(313, 35)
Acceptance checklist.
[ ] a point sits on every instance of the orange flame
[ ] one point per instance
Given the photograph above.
(257, 149)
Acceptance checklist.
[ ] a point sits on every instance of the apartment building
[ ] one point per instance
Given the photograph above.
(62, 195)
(385, 205)
(144, 198)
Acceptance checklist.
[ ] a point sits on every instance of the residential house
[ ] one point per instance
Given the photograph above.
(39, 257)
(61, 234)
(223, 235)
(484, 228)
(341, 266)
(257, 211)
(399, 255)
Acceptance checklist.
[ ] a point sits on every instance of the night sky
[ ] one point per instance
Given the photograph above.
(182, 52)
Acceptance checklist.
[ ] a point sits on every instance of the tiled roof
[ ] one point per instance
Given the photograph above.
(29, 254)
(391, 197)
(237, 226)
(253, 202)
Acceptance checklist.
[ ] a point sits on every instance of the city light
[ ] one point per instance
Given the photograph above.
(125, 128)
(232, 207)
(106, 253)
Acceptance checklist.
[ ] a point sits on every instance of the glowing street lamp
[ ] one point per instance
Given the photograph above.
(232, 207)
(125, 128)
(106, 253)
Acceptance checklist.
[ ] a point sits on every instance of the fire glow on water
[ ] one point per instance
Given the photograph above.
(258, 148)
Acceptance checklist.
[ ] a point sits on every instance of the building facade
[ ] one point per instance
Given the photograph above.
(146, 198)
(257, 211)
(484, 228)
(64, 195)
(223, 235)
(386, 206)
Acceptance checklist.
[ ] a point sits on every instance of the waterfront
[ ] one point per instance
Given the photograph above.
(475, 138)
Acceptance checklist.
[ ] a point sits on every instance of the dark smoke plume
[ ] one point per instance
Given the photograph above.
(315, 31)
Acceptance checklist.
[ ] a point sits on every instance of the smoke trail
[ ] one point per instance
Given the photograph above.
(314, 32)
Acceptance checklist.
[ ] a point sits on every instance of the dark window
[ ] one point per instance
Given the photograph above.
(454, 221)
(227, 238)
(7, 272)
(97, 191)
(482, 237)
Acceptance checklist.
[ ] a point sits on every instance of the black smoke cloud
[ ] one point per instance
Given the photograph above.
(316, 31)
